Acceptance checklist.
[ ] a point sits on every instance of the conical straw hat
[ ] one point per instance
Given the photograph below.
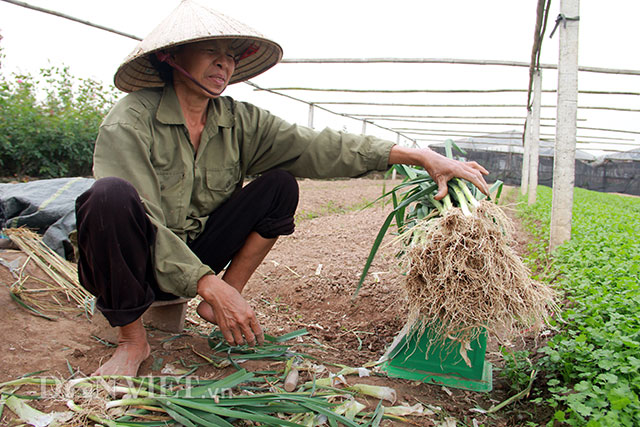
(192, 22)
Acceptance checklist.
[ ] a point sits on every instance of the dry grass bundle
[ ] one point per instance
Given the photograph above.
(64, 293)
(464, 276)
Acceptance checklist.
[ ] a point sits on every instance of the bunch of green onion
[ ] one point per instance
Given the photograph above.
(414, 201)
(162, 401)
(254, 397)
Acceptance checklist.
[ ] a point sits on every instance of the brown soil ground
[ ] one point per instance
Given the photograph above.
(306, 281)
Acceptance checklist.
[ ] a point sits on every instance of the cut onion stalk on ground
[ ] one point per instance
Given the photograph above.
(462, 273)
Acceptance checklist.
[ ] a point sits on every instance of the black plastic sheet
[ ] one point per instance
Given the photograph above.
(46, 206)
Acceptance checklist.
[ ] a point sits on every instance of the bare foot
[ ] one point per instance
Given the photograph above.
(132, 350)
(205, 311)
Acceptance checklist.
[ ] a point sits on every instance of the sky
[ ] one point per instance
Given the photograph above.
(465, 29)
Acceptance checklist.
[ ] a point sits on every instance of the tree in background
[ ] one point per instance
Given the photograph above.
(49, 123)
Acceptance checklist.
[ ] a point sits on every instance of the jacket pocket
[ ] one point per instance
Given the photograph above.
(223, 180)
(220, 183)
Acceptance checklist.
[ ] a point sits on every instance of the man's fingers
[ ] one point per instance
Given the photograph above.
(442, 169)
(481, 184)
(257, 330)
(237, 335)
(228, 336)
(473, 174)
(478, 167)
(478, 180)
(249, 335)
(442, 187)
(233, 315)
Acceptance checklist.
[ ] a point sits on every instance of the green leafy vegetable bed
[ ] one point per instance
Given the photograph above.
(593, 364)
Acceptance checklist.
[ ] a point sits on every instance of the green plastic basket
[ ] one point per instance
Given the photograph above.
(442, 364)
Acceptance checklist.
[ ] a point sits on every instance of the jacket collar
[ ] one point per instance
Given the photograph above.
(219, 113)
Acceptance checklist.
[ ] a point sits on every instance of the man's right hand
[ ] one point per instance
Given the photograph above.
(234, 316)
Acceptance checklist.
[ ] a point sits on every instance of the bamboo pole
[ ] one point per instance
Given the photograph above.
(390, 104)
(387, 104)
(450, 133)
(471, 133)
(474, 134)
(526, 155)
(346, 90)
(431, 116)
(633, 110)
(382, 119)
(514, 124)
(369, 118)
(542, 139)
(448, 61)
(534, 153)
(71, 18)
(633, 132)
(618, 141)
(537, 45)
(564, 158)
(469, 138)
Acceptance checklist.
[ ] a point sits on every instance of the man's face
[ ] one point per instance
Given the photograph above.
(210, 62)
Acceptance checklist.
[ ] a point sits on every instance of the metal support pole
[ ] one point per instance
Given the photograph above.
(364, 127)
(565, 151)
(310, 122)
(393, 172)
(526, 155)
(534, 150)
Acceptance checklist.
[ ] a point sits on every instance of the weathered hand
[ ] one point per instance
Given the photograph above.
(234, 316)
(442, 169)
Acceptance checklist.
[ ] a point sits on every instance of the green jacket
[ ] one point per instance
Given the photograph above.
(144, 140)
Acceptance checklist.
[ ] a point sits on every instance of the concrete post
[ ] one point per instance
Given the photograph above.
(534, 149)
(526, 155)
(310, 122)
(393, 172)
(565, 150)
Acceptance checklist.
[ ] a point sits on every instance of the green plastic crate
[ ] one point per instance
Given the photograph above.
(443, 364)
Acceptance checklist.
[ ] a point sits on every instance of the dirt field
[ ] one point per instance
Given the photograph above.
(306, 281)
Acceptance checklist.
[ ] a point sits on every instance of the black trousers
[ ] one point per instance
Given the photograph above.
(115, 238)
